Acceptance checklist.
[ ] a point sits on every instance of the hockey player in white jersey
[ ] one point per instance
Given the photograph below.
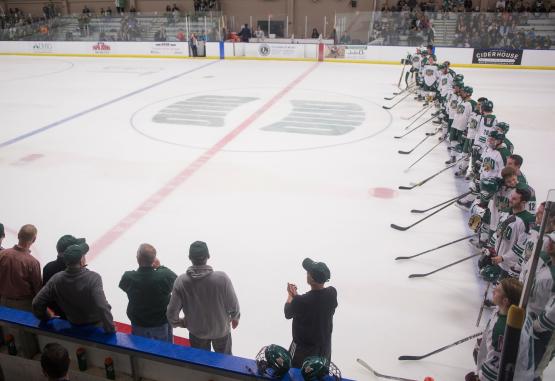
(494, 157)
(489, 348)
(507, 244)
(430, 83)
(459, 125)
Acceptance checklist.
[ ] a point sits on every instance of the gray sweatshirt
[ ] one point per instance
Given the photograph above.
(208, 302)
(79, 294)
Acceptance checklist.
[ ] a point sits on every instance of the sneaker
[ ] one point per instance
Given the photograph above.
(452, 160)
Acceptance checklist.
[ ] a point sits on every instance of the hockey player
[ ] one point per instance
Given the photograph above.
(446, 78)
(503, 128)
(516, 162)
(415, 61)
(544, 325)
(490, 347)
(493, 199)
(460, 123)
(430, 80)
(507, 244)
(494, 157)
(468, 137)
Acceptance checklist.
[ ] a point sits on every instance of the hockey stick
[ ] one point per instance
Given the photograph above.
(483, 305)
(368, 367)
(424, 108)
(414, 129)
(401, 77)
(425, 154)
(436, 248)
(396, 103)
(456, 198)
(429, 178)
(416, 146)
(395, 94)
(443, 268)
(403, 228)
(442, 348)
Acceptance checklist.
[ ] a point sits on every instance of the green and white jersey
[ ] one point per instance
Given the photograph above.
(462, 115)
(474, 121)
(416, 61)
(487, 124)
(453, 101)
(546, 320)
(491, 348)
(489, 353)
(446, 82)
(510, 239)
(530, 205)
(431, 75)
(493, 161)
(521, 178)
(542, 290)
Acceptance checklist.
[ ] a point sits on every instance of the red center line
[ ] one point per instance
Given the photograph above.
(151, 202)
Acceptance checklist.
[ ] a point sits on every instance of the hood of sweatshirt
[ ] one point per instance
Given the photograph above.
(199, 272)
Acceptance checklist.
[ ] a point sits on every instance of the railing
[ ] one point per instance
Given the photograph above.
(134, 357)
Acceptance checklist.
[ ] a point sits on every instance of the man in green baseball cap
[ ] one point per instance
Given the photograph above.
(78, 291)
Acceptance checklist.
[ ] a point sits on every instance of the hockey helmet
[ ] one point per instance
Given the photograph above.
(459, 78)
(468, 90)
(489, 186)
(497, 135)
(459, 84)
(316, 368)
(487, 106)
(273, 361)
(502, 127)
(491, 273)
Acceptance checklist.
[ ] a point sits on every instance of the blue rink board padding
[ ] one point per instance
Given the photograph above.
(161, 349)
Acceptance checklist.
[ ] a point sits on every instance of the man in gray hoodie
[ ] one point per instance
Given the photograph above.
(208, 301)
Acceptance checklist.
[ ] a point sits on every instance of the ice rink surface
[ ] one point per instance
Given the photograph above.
(269, 163)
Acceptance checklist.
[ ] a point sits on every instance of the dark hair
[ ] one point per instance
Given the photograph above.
(512, 289)
(54, 360)
(524, 194)
(517, 159)
(508, 172)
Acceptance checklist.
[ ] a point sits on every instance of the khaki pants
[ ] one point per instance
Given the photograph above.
(25, 341)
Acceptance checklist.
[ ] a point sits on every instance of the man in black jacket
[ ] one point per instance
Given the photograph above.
(312, 314)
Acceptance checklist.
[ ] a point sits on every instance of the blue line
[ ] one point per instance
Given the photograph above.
(67, 119)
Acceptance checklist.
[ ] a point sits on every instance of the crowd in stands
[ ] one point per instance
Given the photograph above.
(493, 29)
(205, 5)
(15, 24)
(201, 299)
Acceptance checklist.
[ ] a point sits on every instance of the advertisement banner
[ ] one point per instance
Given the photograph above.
(497, 56)
(350, 52)
(169, 48)
(275, 50)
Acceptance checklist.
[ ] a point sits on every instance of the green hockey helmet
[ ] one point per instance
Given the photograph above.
(459, 78)
(491, 273)
(469, 90)
(487, 105)
(273, 361)
(502, 127)
(489, 186)
(459, 84)
(316, 368)
(497, 135)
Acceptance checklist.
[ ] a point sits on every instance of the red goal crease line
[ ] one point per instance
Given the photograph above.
(160, 195)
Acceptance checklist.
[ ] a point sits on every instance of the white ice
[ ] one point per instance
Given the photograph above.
(266, 200)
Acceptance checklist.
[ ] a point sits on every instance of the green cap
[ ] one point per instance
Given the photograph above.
(74, 253)
(66, 241)
(198, 250)
(317, 270)
(2, 232)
